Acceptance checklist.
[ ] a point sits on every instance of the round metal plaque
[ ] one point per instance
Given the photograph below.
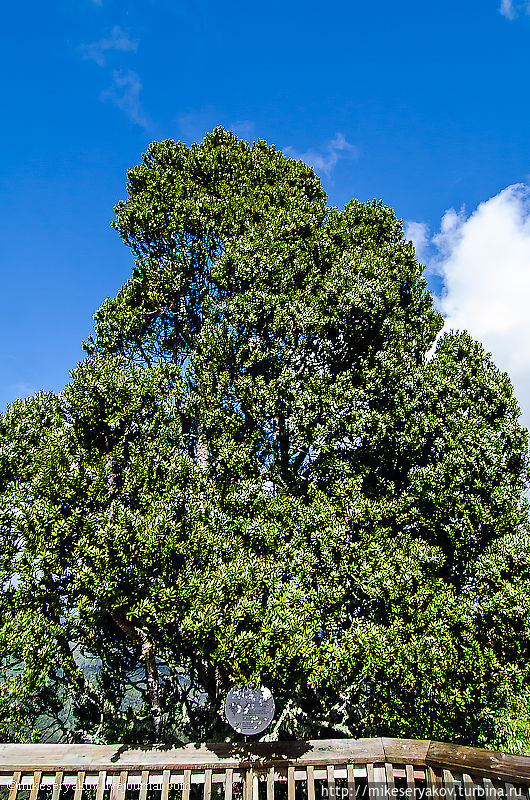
(249, 711)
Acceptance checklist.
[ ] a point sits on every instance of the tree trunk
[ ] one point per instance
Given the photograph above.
(203, 454)
(151, 670)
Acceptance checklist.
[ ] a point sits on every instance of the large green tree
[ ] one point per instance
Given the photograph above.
(258, 476)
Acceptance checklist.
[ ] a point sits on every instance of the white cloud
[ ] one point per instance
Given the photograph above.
(512, 8)
(126, 84)
(194, 125)
(325, 159)
(125, 93)
(118, 40)
(484, 262)
(242, 127)
(507, 9)
(18, 391)
(418, 234)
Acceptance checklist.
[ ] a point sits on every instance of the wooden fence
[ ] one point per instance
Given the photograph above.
(367, 769)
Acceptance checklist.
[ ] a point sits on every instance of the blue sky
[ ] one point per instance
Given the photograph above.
(424, 105)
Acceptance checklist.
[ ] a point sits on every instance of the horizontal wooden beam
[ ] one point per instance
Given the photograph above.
(487, 763)
(239, 755)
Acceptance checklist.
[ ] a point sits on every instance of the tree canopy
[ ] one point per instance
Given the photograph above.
(261, 475)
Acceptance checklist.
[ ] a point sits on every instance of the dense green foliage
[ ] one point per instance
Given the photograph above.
(258, 477)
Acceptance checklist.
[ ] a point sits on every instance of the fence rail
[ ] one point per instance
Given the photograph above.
(365, 769)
